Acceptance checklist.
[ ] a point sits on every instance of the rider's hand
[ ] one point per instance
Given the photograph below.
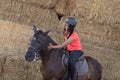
(50, 46)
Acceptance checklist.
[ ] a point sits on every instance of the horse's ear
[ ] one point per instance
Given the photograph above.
(34, 28)
(45, 33)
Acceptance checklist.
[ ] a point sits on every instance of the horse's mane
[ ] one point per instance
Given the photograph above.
(59, 51)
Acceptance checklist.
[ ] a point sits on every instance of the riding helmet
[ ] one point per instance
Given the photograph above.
(71, 21)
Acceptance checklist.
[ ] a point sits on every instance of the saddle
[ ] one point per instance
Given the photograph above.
(81, 64)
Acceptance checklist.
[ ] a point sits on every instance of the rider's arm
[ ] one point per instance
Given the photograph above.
(60, 45)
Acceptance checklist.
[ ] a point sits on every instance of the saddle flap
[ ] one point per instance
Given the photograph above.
(81, 64)
(65, 60)
(81, 67)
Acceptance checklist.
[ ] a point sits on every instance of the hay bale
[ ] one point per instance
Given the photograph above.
(29, 12)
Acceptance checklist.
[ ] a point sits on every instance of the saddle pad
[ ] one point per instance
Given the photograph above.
(81, 67)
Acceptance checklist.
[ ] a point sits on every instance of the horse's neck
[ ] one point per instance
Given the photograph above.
(45, 56)
(52, 55)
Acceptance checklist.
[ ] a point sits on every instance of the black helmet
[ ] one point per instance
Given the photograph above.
(71, 21)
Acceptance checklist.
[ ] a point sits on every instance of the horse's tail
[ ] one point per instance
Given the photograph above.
(95, 68)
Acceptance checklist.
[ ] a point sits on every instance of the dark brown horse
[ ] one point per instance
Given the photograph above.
(52, 68)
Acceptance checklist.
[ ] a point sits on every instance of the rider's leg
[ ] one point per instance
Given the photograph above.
(74, 55)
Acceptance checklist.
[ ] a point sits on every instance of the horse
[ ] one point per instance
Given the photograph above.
(52, 65)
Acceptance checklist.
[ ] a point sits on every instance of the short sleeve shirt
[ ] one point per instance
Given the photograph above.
(75, 44)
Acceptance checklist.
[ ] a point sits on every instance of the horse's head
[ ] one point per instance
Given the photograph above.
(38, 44)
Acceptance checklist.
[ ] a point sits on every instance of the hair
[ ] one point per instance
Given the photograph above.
(70, 30)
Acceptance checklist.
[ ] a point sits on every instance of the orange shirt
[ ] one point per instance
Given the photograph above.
(75, 44)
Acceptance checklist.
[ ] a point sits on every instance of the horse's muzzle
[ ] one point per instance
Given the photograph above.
(29, 56)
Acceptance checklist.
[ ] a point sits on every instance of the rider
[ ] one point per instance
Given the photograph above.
(72, 44)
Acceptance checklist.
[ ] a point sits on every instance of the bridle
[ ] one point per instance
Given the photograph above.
(36, 51)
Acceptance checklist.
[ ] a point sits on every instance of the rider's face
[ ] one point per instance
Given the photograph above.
(66, 27)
